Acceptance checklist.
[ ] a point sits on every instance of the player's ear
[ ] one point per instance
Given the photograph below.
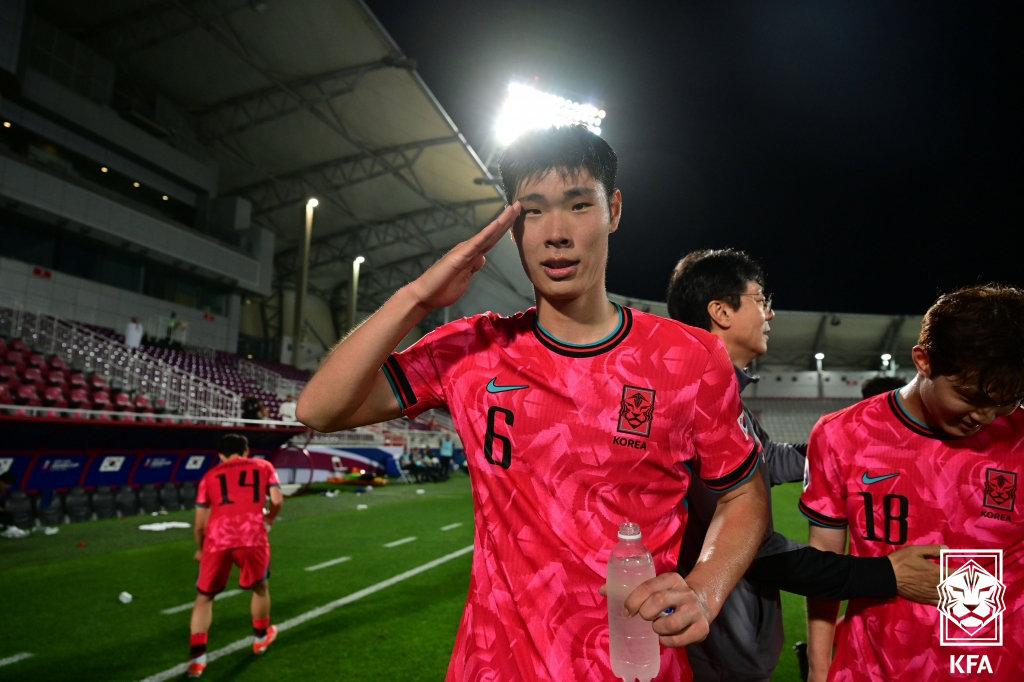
(615, 210)
(720, 314)
(922, 363)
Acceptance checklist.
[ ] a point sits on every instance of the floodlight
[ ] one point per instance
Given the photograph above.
(526, 108)
(819, 356)
(886, 357)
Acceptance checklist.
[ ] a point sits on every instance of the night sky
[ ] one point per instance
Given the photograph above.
(867, 154)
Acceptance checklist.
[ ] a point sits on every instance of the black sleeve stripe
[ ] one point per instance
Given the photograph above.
(820, 519)
(399, 383)
(738, 475)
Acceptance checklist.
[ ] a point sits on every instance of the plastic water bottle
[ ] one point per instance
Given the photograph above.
(632, 642)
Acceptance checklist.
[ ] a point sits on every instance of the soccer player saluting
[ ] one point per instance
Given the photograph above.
(936, 460)
(576, 415)
(231, 529)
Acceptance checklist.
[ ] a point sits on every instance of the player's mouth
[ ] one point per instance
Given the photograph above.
(558, 268)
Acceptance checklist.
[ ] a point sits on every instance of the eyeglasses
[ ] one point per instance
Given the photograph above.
(764, 302)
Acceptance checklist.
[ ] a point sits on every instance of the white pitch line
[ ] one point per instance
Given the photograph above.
(325, 564)
(451, 526)
(246, 643)
(15, 658)
(185, 607)
(396, 543)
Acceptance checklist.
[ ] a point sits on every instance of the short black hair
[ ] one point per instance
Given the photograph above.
(232, 444)
(709, 275)
(975, 334)
(569, 149)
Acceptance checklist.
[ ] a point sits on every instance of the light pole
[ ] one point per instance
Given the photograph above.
(818, 357)
(300, 291)
(354, 292)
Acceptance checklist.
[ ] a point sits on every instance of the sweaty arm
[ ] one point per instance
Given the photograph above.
(732, 540)
(202, 517)
(349, 389)
(274, 508)
(821, 614)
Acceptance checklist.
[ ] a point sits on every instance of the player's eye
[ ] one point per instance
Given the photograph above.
(580, 206)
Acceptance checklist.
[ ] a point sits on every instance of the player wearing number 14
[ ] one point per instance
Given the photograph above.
(231, 530)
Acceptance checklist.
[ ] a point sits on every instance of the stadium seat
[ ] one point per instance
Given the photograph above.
(55, 377)
(76, 505)
(103, 503)
(19, 506)
(100, 400)
(16, 359)
(187, 493)
(77, 379)
(78, 397)
(126, 501)
(97, 382)
(122, 402)
(57, 362)
(5, 395)
(53, 396)
(149, 499)
(9, 374)
(36, 360)
(49, 509)
(27, 394)
(18, 345)
(34, 376)
(169, 497)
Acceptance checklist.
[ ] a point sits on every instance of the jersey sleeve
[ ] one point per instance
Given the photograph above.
(823, 501)
(726, 446)
(202, 493)
(417, 374)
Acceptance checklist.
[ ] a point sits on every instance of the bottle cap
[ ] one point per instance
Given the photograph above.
(629, 531)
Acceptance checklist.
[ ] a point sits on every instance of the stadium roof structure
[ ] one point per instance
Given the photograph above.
(293, 100)
(312, 98)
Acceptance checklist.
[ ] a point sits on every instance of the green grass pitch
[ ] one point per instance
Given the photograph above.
(387, 609)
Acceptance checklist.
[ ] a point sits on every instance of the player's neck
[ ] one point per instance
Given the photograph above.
(579, 321)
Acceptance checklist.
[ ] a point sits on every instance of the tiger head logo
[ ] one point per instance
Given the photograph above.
(636, 410)
(971, 597)
(1000, 489)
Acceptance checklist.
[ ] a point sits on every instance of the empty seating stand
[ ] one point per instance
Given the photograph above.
(169, 497)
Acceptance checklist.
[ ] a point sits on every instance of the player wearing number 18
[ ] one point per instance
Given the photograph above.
(938, 460)
(231, 530)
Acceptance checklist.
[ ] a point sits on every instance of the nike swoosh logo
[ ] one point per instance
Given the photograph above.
(492, 387)
(868, 480)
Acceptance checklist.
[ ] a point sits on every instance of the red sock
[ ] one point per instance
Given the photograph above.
(259, 627)
(197, 644)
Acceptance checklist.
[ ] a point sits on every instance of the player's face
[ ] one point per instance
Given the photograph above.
(957, 407)
(747, 338)
(562, 235)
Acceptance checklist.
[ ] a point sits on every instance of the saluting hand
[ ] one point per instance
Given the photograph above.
(447, 279)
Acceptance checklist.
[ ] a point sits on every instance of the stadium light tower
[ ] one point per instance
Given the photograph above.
(300, 290)
(526, 108)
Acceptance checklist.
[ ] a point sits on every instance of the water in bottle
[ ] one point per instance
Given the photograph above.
(633, 644)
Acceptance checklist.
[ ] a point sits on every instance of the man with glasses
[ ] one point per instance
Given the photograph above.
(723, 292)
(936, 460)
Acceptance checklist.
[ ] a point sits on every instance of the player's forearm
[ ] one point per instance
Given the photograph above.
(735, 533)
(332, 398)
(821, 626)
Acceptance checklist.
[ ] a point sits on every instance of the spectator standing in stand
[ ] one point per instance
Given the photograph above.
(133, 333)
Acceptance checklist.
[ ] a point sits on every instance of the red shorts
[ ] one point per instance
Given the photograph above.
(215, 567)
